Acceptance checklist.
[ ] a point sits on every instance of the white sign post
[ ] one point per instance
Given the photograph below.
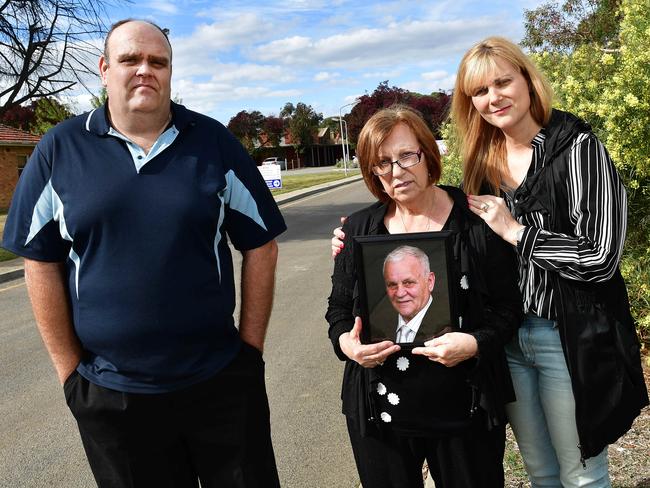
(272, 175)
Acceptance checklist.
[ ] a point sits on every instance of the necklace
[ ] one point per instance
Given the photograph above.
(429, 219)
(401, 217)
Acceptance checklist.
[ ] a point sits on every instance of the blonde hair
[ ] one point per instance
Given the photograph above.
(482, 145)
(376, 130)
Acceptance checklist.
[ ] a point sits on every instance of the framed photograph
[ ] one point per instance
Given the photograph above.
(405, 287)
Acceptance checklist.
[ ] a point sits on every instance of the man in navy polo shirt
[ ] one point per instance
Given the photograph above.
(123, 216)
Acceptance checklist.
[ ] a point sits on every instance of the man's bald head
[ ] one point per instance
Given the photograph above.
(119, 23)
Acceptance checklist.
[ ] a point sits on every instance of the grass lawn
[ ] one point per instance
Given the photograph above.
(6, 255)
(298, 182)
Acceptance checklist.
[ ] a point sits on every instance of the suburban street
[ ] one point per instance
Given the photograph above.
(39, 443)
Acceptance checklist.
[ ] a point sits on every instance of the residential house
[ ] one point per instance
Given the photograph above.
(325, 150)
(15, 147)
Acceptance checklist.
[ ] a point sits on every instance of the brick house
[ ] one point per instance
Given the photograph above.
(325, 150)
(15, 147)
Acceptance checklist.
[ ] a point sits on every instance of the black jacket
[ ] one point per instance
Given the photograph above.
(598, 334)
(491, 308)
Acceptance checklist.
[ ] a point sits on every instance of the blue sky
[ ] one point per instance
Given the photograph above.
(245, 55)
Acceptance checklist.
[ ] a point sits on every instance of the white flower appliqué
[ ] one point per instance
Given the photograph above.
(464, 283)
(402, 363)
(386, 417)
(393, 399)
(381, 388)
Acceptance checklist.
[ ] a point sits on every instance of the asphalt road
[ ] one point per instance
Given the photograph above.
(39, 443)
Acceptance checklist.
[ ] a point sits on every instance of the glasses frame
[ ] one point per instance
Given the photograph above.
(398, 162)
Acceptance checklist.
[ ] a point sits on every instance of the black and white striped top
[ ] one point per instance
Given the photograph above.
(598, 213)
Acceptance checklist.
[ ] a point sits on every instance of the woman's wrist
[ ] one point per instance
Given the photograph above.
(515, 233)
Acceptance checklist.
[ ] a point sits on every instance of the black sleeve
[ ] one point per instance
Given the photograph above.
(340, 308)
(502, 308)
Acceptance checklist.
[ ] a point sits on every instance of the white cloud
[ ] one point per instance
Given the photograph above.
(246, 29)
(205, 96)
(435, 75)
(369, 47)
(238, 72)
(79, 103)
(326, 76)
(426, 87)
(430, 82)
(163, 7)
(383, 75)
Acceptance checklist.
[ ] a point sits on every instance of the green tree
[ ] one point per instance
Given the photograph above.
(100, 99)
(452, 163)
(49, 112)
(303, 122)
(332, 123)
(563, 27)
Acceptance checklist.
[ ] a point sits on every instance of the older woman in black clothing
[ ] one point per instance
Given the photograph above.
(449, 408)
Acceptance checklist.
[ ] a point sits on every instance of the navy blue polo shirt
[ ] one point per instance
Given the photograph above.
(144, 238)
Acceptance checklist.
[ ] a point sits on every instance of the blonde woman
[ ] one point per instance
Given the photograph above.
(555, 195)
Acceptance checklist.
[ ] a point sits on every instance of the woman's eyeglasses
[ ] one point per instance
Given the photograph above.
(384, 167)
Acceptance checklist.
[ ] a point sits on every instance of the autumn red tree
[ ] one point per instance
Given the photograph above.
(246, 127)
(433, 107)
(383, 96)
(272, 131)
(19, 116)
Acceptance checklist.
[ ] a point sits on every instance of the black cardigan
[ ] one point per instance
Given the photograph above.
(491, 307)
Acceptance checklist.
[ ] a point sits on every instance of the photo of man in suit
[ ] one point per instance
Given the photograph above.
(409, 283)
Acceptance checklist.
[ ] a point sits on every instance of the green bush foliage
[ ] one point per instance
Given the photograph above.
(452, 164)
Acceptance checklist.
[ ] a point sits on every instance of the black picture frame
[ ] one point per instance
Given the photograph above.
(379, 317)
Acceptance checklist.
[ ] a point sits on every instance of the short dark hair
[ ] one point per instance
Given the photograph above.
(164, 32)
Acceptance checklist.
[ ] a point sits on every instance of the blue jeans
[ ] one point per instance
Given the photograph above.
(543, 417)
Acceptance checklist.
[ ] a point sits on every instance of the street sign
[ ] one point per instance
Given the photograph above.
(272, 175)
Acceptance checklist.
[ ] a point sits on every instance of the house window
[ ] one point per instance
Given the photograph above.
(22, 161)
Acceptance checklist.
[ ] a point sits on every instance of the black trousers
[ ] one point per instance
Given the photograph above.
(217, 432)
(469, 459)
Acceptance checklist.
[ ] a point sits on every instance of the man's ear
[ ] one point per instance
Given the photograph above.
(431, 280)
(103, 67)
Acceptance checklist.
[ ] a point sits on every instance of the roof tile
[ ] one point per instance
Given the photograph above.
(10, 135)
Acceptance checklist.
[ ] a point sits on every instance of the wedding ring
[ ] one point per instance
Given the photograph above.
(485, 207)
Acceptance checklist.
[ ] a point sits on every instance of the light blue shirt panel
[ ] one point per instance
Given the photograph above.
(238, 198)
(50, 207)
